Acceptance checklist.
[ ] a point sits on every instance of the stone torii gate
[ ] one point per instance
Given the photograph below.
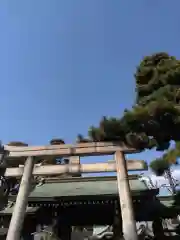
(32, 154)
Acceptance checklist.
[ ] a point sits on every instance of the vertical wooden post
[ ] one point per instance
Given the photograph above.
(65, 232)
(117, 224)
(128, 221)
(75, 160)
(18, 215)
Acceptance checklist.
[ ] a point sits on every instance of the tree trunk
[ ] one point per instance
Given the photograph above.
(127, 213)
(171, 183)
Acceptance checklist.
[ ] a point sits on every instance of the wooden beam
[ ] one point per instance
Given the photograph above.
(51, 170)
(129, 160)
(65, 150)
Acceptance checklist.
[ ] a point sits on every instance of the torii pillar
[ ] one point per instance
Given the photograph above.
(17, 219)
(126, 204)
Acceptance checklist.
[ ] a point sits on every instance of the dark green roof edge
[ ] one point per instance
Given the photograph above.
(167, 201)
(86, 179)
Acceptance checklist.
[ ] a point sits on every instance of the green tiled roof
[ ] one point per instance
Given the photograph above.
(83, 187)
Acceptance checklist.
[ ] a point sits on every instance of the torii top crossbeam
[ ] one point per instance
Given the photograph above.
(66, 150)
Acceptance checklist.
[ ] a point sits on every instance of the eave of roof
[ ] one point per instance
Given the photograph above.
(9, 210)
(83, 187)
(165, 203)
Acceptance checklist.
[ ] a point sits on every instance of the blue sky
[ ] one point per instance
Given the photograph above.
(66, 63)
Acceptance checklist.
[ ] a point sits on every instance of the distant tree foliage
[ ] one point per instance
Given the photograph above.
(57, 141)
(163, 164)
(154, 120)
(17, 144)
(159, 166)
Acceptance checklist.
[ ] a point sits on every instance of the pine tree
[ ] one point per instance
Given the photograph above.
(154, 120)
